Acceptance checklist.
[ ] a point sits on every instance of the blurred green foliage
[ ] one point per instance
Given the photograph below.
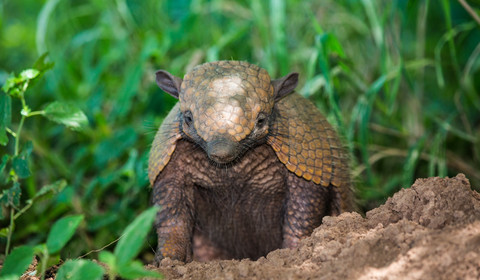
(399, 79)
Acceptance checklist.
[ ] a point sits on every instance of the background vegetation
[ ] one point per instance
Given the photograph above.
(400, 80)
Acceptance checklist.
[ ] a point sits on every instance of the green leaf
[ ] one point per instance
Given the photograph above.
(41, 65)
(20, 165)
(333, 45)
(10, 83)
(40, 249)
(15, 86)
(56, 187)
(135, 270)
(66, 114)
(29, 74)
(11, 196)
(79, 270)
(4, 231)
(5, 117)
(108, 258)
(18, 261)
(61, 232)
(133, 237)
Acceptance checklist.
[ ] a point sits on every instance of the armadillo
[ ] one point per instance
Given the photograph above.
(242, 165)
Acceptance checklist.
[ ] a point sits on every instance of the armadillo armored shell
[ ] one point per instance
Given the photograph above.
(301, 137)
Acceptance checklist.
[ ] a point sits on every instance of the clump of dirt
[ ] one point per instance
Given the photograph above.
(430, 231)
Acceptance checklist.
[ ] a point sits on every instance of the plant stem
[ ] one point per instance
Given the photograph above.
(17, 140)
(35, 113)
(23, 210)
(15, 178)
(11, 132)
(20, 126)
(44, 262)
(10, 231)
(471, 11)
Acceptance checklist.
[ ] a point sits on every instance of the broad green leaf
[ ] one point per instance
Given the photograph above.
(108, 258)
(15, 92)
(15, 86)
(10, 83)
(11, 196)
(29, 74)
(20, 165)
(14, 194)
(5, 117)
(18, 261)
(66, 114)
(61, 232)
(133, 237)
(40, 249)
(79, 270)
(135, 270)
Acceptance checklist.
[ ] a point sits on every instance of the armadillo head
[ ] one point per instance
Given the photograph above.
(226, 106)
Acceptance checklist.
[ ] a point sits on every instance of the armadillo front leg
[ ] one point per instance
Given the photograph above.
(306, 205)
(174, 222)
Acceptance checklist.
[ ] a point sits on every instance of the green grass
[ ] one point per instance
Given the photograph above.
(399, 79)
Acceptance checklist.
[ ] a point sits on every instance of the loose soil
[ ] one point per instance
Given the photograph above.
(429, 231)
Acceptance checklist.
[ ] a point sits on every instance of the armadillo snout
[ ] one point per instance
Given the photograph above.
(222, 150)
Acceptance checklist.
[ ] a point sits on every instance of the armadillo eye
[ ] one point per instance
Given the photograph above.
(261, 120)
(188, 118)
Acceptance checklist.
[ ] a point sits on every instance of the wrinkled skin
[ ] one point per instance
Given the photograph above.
(242, 166)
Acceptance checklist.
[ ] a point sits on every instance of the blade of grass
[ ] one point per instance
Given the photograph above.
(467, 82)
(376, 28)
(42, 25)
(279, 43)
(411, 161)
(261, 23)
(470, 10)
(323, 63)
(437, 165)
(447, 37)
(420, 47)
(134, 73)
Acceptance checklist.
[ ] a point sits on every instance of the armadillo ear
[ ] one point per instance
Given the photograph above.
(169, 83)
(284, 85)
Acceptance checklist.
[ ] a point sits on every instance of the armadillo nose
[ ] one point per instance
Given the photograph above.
(222, 150)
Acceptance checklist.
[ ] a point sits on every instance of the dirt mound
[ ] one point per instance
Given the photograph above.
(430, 231)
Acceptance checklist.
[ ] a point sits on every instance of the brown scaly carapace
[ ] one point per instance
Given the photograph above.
(242, 165)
